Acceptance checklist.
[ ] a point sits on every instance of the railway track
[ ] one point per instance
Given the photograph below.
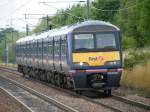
(100, 101)
(23, 107)
(31, 100)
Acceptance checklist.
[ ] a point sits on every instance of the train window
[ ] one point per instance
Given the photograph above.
(50, 48)
(45, 49)
(83, 41)
(35, 48)
(33, 52)
(31, 48)
(40, 49)
(57, 50)
(27, 49)
(105, 40)
(20, 50)
(63, 47)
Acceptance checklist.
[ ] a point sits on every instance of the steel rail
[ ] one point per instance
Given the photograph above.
(42, 96)
(24, 107)
(60, 89)
(114, 96)
(131, 102)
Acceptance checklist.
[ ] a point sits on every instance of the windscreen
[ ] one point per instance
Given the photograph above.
(95, 42)
(84, 41)
(105, 41)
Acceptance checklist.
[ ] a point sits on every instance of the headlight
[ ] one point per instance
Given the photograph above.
(116, 62)
(81, 63)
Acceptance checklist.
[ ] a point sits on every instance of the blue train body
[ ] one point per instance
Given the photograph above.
(85, 56)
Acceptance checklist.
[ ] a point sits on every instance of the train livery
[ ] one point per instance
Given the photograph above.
(84, 56)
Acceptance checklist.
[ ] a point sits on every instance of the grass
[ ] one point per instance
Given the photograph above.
(138, 78)
(8, 65)
(136, 73)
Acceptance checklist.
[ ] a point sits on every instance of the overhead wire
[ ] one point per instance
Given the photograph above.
(64, 12)
(66, 1)
(21, 6)
(25, 21)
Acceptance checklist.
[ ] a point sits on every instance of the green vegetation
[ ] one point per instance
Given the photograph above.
(137, 70)
(134, 58)
(134, 21)
(131, 16)
(138, 78)
(8, 39)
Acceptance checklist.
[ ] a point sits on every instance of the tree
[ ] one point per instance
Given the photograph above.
(105, 5)
(8, 35)
(134, 20)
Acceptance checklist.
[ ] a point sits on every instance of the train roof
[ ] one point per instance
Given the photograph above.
(65, 30)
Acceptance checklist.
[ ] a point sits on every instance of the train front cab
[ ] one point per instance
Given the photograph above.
(96, 60)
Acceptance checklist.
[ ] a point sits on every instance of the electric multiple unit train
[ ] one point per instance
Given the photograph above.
(84, 56)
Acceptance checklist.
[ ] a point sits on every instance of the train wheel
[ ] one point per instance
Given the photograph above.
(47, 76)
(57, 79)
(64, 81)
(43, 75)
(23, 74)
(52, 78)
(78, 92)
(38, 75)
(31, 73)
(107, 92)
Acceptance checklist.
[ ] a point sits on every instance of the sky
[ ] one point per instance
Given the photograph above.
(12, 12)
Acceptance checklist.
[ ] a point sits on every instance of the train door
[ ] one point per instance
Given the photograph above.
(42, 52)
(25, 57)
(53, 53)
(33, 55)
(39, 53)
(50, 54)
(30, 53)
(64, 53)
(56, 53)
(45, 55)
(36, 53)
(60, 53)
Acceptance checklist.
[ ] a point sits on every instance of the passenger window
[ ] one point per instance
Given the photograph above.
(50, 48)
(57, 47)
(63, 46)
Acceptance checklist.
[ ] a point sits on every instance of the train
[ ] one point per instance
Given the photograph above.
(85, 56)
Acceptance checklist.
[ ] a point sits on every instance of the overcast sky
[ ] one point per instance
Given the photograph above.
(12, 11)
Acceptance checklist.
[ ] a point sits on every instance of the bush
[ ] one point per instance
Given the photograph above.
(136, 73)
(138, 78)
(135, 58)
(128, 42)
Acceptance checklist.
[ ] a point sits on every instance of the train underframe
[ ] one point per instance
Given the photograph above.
(78, 81)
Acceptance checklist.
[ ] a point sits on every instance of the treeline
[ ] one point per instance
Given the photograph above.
(8, 39)
(132, 16)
